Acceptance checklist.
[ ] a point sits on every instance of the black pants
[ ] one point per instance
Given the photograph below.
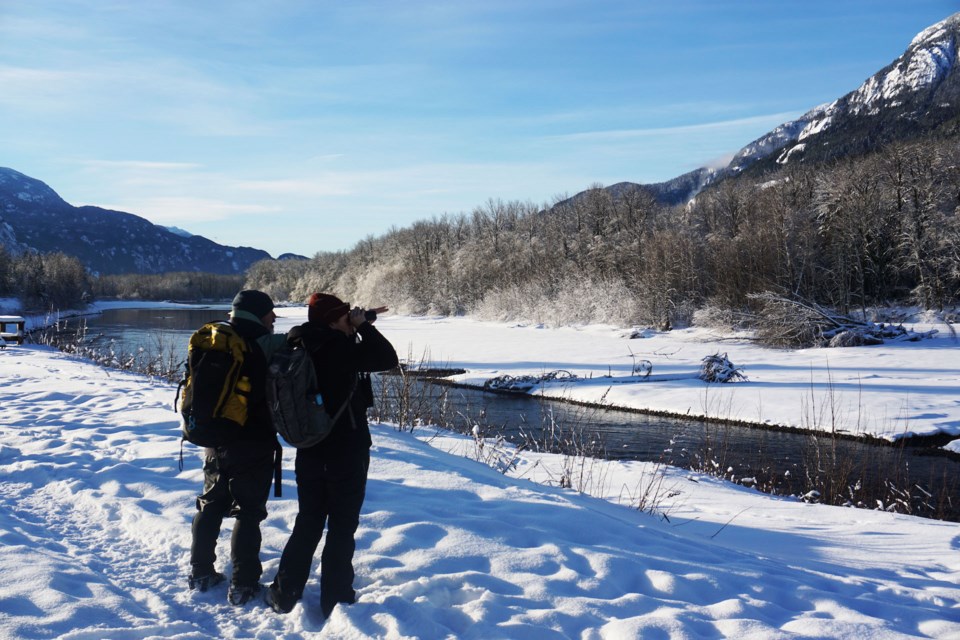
(236, 482)
(331, 493)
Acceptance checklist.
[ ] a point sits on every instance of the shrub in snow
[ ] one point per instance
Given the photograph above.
(496, 453)
(718, 317)
(642, 368)
(718, 368)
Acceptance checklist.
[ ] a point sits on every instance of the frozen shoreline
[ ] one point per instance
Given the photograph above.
(927, 441)
(885, 392)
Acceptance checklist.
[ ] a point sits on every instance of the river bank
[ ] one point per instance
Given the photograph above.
(938, 440)
(888, 392)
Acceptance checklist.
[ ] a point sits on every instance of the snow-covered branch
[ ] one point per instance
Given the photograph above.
(785, 322)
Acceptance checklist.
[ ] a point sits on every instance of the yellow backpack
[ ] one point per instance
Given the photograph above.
(215, 393)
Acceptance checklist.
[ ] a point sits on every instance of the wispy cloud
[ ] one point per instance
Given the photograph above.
(139, 165)
(187, 210)
(719, 162)
(304, 187)
(31, 89)
(705, 128)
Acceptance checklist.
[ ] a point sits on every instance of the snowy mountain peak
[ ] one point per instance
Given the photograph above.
(27, 189)
(915, 93)
(936, 32)
(930, 57)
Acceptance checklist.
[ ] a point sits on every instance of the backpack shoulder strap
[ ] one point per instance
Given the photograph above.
(346, 406)
(312, 345)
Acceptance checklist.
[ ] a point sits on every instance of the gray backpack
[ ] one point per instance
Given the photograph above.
(296, 408)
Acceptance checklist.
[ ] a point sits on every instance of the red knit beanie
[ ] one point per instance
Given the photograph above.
(323, 308)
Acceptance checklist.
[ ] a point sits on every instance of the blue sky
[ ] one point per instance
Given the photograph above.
(305, 126)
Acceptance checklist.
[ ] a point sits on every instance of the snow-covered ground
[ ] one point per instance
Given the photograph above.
(94, 513)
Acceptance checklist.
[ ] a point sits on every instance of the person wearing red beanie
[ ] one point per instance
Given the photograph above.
(345, 348)
(323, 308)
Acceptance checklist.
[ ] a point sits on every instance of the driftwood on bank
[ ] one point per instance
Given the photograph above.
(784, 322)
(526, 383)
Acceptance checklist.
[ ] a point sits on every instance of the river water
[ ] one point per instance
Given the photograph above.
(777, 461)
(157, 330)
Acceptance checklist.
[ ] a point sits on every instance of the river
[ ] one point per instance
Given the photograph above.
(777, 461)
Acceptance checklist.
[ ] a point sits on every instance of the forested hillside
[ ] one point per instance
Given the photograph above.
(862, 231)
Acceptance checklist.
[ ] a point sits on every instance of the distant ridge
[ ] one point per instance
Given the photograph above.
(34, 218)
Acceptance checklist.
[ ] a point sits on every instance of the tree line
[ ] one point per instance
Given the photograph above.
(860, 232)
(50, 281)
(866, 231)
(44, 281)
(185, 286)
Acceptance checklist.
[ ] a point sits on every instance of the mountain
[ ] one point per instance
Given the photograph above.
(34, 217)
(917, 94)
(669, 193)
(679, 190)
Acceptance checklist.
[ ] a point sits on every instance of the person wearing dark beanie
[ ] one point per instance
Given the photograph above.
(254, 305)
(332, 475)
(237, 475)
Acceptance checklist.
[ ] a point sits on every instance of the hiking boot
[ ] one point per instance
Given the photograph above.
(327, 608)
(327, 605)
(204, 582)
(238, 595)
(277, 601)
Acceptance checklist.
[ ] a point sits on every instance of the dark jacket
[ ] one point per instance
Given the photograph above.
(343, 363)
(258, 427)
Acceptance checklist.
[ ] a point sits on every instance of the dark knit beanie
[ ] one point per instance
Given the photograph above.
(323, 308)
(256, 302)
